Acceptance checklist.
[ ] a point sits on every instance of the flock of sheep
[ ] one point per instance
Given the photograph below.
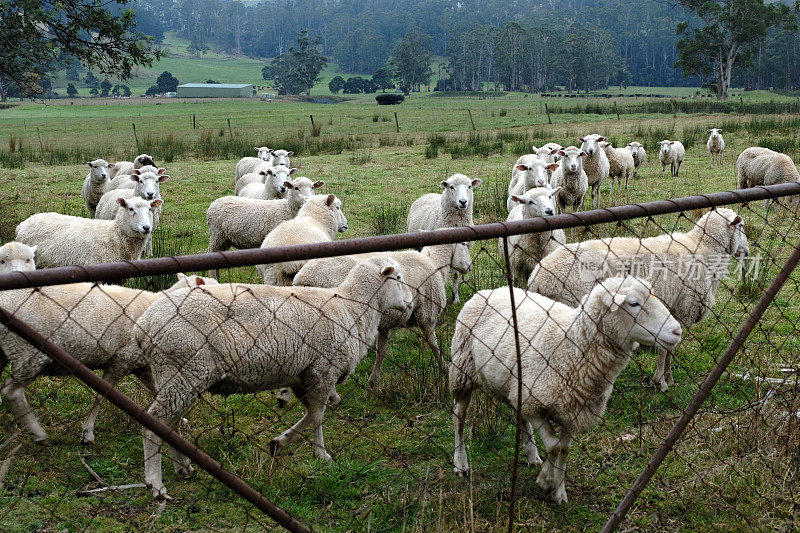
(311, 322)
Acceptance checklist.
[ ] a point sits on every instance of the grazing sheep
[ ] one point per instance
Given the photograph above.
(125, 168)
(530, 172)
(96, 183)
(620, 165)
(319, 220)
(595, 164)
(684, 268)
(450, 209)
(570, 179)
(761, 166)
(715, 146)
(235, 221)
(17, 257)
(571, 358)
(671, 153)
(528, 249)
(65, 240)
(639, 156)
(246, 165)
(426, 273)
(272, 185)
(94, 323)
(306, 338)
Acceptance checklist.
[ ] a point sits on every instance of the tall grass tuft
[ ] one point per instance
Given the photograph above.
(389, 219)
(316, 129)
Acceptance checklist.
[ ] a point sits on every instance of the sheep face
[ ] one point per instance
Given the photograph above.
(185, 281)
(461, 261)
(277, 176)
(17, 257)
(98, 169)
(148, 182)
(458, 190)
(538, 202)
(589, 144)
(635, 314)
(572, 160)
(335, 205)
(535, 173)
(716, 133)
(263, 152)
(138, 214)
(301, 189)
(281, 157)
(738, 245)
(143, 160)
(665, 146)
(634, 148)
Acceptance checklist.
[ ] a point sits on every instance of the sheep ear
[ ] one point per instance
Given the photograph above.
(264, 173)
(290, 154)
(293, 171)
(476, 182)
(580, 139)
(156, 203)
(583, 154)
(111, 165)
(736, 220)
(387, 271)
(135, 177)
(329, 200)
(287, 184)
(521, 167)
(122, 202)
(708, 131)
(562, 153)
(89, 164)
(443, 184)
(555, 191)
(181, 276)
(719, 130)
(552, 166)
(135, 172)
(318, 184)
(672, 142)
(199, 281)
(602, 139)
(518, 198)
(533, 148)
(619, 299)
(161, 171)
(256, 148)
(34, 248)
(163, 178)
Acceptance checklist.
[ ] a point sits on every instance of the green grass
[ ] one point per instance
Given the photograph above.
(392, 450)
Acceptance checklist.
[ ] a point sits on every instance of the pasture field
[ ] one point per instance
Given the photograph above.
(392, 449)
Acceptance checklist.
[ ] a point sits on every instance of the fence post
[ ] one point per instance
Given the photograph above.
(470, 119)
(230, 131)
(547, 110)
(194, 121)
(396, 122)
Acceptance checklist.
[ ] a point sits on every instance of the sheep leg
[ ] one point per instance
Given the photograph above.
(530, 444)
(317, 410)
(664, 170)
(429, 333)
(314, 403)
(216, 244)
(659, 376)
(87, 428)
(3, 363)
(550, 440)
(561, 451)
(380, 355)
(14, 391)
(460, 464)
(284, 396)
(456, 281)
(678, 168)
(668, 369)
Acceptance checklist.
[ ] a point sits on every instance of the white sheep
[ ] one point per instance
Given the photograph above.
(235, 221)
(65, 240)
(96, 183)
(528, 249)
(684, 268)
(125, 168)
(93, 322)
(529, 172)
(620, 165)
(247, 165)
(715, 146)
(571, 358)
(281, 157)
(17, 257)
(450, 209)
(570, 179)
(671, 153)
(595, 164)
(550, 152)
(265, 337)
(319, 220)
(639, 156)
(762, 166)
(272, 185)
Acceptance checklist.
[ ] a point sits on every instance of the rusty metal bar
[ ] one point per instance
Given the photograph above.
(703, 392)
(107, 272)
(128, 406)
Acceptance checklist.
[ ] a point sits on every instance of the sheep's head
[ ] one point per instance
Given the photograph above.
(665, 146)
(17, 257)
(281, 157)
(461, 260)
(393, 293)
(263, 152)
(98, 169)
(301, 189)
(276, 177)
(331, 206)
(715, 133)
(538, 202)
(634, 148)
(137, 213)
(535, 172)
(724, 228)
(589, 143)
(143, 160)
(458, 190)
(148, 181)
(572, 159)
(185, 281)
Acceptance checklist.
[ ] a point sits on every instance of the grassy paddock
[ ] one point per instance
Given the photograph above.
(392, 450)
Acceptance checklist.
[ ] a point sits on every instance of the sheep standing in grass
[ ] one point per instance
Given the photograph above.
(571, 358)
(235, 221)
(94, 323)
(620, 165)
(570, 179)
(450, 209)
(266, 337)
(639, 156)
(595, 164)
(715, 146)
(96, 183)
(17, 257)
(525, 251)
(319, 220)
(685, 269)
(671, 153)
(65, 240)
(549, 152)
(761, 166)
(125, 168)
(247, 165)
(272, 186)
(530, 172)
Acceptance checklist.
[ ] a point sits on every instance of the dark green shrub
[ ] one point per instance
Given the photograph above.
(389, 99)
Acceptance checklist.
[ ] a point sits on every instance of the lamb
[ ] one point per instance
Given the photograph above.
(235, 221)
(570, 179)
(272, 185)
(96, 183)
(550, 152)
(426, 273)
(620, 164)
(595, 164)
(761, 166)
(572, 356)
(93, 322)
(685, 268)
(64, 240)
(319, 220)
(528, 249)
(17, 257)
(639, 156)
(125, 168)
(671, 153)
(715, 146)
(267, 337)
(530, 171)
(247, 165)
(450, 209)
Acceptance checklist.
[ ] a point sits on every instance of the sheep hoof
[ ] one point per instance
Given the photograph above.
(186, 472)
(41, 440)
(461, 471)
(335, 399)
(560, 495)
(374, 385)
(324, 456)
(87, 436)
(534, 461)
(160, 494)
(661, 386)
(282, 404)
(274, 447)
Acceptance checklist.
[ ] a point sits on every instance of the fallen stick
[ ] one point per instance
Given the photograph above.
(110, 487)
(7, 463)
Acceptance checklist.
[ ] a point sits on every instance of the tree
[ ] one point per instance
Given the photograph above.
(91, 81)
(354, 85)
(730, 33)
(298, 70)
(71, 90)
(126, 91)
(93, 91)
(382, 79)
(167, 83)
(268, 72)
(105, 87)
(411, 60)
(40, 36)
(336, 84)
(153, 90)
(197, 46)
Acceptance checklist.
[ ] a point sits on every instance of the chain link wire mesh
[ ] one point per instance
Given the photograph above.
(354, 446)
